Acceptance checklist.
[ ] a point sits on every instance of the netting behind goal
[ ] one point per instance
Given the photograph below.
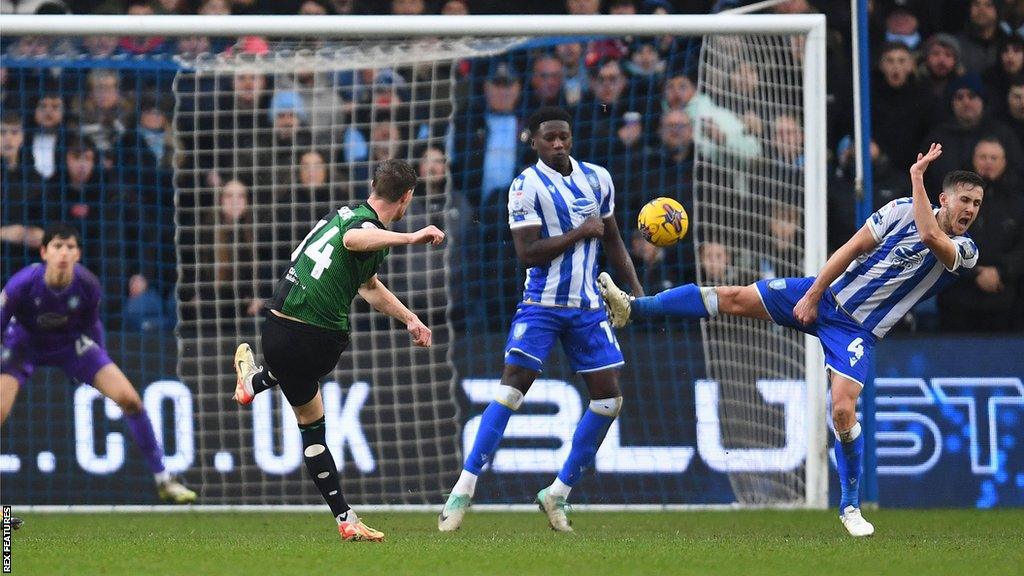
(749, 207)
(271, 136)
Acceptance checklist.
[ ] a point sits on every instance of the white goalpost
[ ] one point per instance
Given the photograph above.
(396, 415)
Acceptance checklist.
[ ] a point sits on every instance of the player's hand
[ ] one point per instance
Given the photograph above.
(988, 279)
(428, 235)
(806, 310)
(421, 335)
(923, 160)
(592, 227)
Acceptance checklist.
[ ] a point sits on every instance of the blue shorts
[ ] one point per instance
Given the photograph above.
(848, 346)
(586, 335)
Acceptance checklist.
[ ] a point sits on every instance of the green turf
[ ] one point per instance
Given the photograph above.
(931, 542)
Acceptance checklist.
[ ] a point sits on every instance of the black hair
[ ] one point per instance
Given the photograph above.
(1017, 80)
(12, 117)
(547, 114)
(392, 179)
(958, 177)
(61, 230)
(887, 47)
(78, 144)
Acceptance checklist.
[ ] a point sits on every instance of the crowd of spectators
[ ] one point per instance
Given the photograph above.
(261, 154)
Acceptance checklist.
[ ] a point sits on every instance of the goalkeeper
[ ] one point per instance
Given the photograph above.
(307, 326)
(50, 316)
(904, 253)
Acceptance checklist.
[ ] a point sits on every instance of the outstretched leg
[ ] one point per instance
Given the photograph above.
(113, 384)
(687, 301)
(515, 382)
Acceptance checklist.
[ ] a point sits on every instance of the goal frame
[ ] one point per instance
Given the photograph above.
(364, 27)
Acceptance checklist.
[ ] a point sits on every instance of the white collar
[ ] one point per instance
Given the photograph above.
(552, 172)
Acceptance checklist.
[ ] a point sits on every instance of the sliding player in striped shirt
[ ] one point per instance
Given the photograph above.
(560, 212)
(906, 252)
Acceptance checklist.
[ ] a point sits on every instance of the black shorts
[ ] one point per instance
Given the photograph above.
(299, 355)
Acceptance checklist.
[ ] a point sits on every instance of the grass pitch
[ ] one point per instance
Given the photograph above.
(915, 542)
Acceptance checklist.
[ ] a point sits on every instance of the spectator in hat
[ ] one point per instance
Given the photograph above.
(960, 133)
(900, 106)
(489, 151)
(980, 38)
(289, 139)
(941, 64)
(901, 25)
(318, 93)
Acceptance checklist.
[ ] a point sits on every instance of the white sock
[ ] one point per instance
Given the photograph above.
(710, 297)
(850, 435)
(162, 477)
(559, 488)
(349, 516)
(466, 484)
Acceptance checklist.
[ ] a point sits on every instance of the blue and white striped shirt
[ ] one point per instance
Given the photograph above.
(541, 196)
(880, 287)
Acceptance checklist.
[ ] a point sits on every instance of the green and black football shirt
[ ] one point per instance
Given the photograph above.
(324, 276)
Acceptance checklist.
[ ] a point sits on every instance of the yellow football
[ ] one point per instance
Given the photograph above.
(663, 222)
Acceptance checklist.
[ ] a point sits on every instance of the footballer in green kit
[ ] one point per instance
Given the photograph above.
(307, 322)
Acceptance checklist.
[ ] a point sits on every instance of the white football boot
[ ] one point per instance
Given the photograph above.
(618, 303)
(855, 524)
(450, 518)
(245, 368)
(555, 507)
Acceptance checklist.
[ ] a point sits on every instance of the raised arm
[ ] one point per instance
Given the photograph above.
(384, 301)
(372, 238)
(927, 226)
(806, 310)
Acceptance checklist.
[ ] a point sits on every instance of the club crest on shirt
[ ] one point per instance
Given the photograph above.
(967, 250)
(73, 302)
(595, 182)
(777, 284)
(906, 257)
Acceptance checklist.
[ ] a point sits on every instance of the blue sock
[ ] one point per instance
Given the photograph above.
(590, 432)
(681, 302)
(492, 428)
(849, 463)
